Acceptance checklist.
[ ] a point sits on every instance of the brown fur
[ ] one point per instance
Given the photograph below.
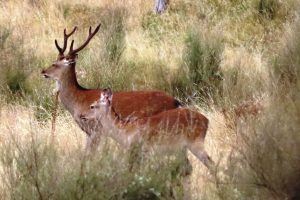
(76, 99)
(172, 129)
(251, 107)
(136, 104)
(191, 124)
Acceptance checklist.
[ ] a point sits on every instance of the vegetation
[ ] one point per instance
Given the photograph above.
(237, 62)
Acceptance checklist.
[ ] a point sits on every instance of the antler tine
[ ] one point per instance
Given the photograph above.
(74, 29)
(60, 50)
(91, 35)
(66, 36)
(71, 46)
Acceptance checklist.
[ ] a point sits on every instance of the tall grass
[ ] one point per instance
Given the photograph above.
(264, 160)
(34, 168)
(202, 58)
(214, 55)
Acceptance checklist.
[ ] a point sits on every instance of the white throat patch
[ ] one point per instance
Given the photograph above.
(57, 87)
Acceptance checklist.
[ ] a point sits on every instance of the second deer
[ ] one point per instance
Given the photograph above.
(177, 128)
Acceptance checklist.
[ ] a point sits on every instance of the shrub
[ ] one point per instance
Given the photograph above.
(162, 27)
(16, 80)
(240, 86)
(264, 163)
(15, 65)
(286, 66)
(202, 58)
(35, 168)
(152, 24)
(104, 65)
(114, 27)
(4, 34)
(268, 8)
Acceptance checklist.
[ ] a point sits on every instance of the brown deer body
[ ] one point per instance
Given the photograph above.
(76, 99)
(173, 129)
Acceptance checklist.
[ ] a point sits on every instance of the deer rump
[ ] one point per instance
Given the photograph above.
(169, 127)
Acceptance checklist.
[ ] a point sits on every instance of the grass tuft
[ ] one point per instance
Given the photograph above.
(268, 8)
(202, 58)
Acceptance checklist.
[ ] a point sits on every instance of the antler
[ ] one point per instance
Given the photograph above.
(91, 35)
(66, 36)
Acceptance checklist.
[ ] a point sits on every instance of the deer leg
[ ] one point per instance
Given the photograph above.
(88, 143)
(187, 168)
(186, 179)
(183, 172)
(184, 167)
(92, 142)
(135, 156)
(198, 150)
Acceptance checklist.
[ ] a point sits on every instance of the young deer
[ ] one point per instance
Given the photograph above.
(177, 128)
(76, 99)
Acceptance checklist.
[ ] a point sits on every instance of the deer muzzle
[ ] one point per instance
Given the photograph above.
(44, 73)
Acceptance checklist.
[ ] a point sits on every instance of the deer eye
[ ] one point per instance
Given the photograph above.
(92, 107)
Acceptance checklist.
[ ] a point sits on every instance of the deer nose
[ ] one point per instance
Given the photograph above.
(44, 73)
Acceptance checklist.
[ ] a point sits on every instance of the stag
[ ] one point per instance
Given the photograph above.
(77, 99)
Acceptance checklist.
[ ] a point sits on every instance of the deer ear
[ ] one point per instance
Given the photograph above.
(107, 92)
(102, 98)
(110, 96)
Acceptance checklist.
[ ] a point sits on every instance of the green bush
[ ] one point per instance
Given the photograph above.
(16, 80)
(18, 68)
(268, 8)
(14, 66)
(114, 27)
(104, 65)
(202, 58)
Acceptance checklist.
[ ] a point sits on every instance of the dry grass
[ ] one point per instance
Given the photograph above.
(153, 52)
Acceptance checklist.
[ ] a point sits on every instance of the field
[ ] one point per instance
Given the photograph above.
(235, 61)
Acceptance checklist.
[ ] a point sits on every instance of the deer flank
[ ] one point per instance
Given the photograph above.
(172, 129)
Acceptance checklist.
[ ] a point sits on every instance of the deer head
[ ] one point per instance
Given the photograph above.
(100, 107)
(63, 65)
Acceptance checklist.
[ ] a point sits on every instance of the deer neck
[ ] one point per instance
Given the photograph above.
(69, 89)
(111, 118)
(115, 128)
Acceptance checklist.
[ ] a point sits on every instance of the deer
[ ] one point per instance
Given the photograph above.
(179, 128)
(239, 113)
(77, 99)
